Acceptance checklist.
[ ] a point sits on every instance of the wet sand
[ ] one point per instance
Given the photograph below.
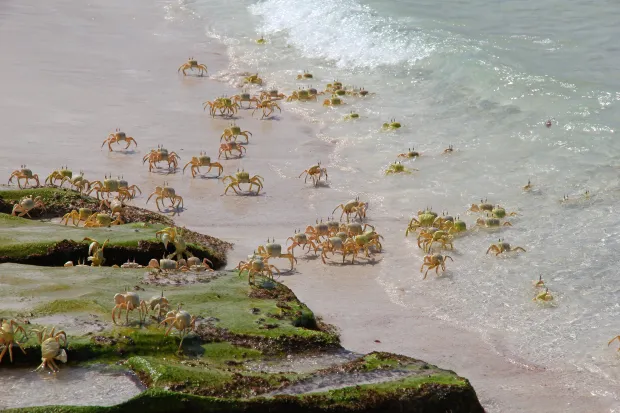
(73, 72)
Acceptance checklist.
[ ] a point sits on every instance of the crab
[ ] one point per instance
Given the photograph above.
(115, 207)
(159, 305)
(131, 264)
(76, 216)
(353, 207)
(161, 155)
(352, 116)
(228, 148)
(398, 168)
(245, 97)
(98, 220)
(483, 206)
(166, 192)
(24, 173)
(448, 150)
(354, 228)
(540, 282)
(174, 235)
(357, 92)
(317, 231)
(424, 219)
(95, 251)
(411, 153)
(391, 125)
(59, 175)
(261, 40)
(492, 223)
(268, 107)
(457, 226)
(256, 265)
(107, 187)
(117, 137)
(302, 95)
(365, 241)
(428, 238)
(129, 301)
(27, 204)
(543, 296)
(334, 244)
(8, 331)
(253, 80)
(316, 173)
(499, 212)
(333, 101)
(242, 177)
(305, 75)
(434, 261)
(203, 160)
(333, 87)
(500, 247)
(126, 189)
(192, 64)
(233, 132)
(182, 321)
(78, 182)
(528, 187)
(51, 348)
(273, 250)
(333, 226)
(225, 105)
(300, 239)
(273, 94)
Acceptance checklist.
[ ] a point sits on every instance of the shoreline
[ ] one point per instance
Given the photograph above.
(107, 79)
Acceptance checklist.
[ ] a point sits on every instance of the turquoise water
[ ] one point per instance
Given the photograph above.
(484, 78)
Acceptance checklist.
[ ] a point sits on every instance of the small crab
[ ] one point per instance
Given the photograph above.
(256, 265)
(539, 282)
(126, 190)
(492, 223)
(364, 242)
(352, 116)
(333, 101)
(228, 148)
(268, 107)
(543, 296)
(300, 239)
(182, 321)
(95, 251)
(353, 207)
(174, 235)
(261, 40)
(242, 177)
(203, 160)
(483, 206)
(434, 261)
(528, 187)
(51, 348)
(317, 231)
(59, 175)
(166, 192)
(424, 219)
(500, 247)
(272, 94)
(129, 301)
(305, 75)
(117, 137)
(161, 155)
(253, 80)
(302, 95)
(159, 305)
(27, 204)
(8, 331)
(334, 244)
(391, 125)
(225, 105)
(234, 131)
(411, 153)
(315, 172)
(24, 173)
(192, 64)
(78, 182)
(398, 168)
(245, 97)
(449, 149)
(97, 220)
(108, 186)
(274, 250)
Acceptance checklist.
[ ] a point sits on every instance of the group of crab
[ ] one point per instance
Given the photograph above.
(51, 343)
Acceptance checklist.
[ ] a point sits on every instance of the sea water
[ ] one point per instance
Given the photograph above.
(483, 77)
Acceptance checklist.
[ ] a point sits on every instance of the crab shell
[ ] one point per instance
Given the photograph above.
(492, 222)
(66, 173)
(335, 101)
(355, 228)
(204, 160)
(303, 93)
(354, 115)
(120, 135)
(342, 235)
(273, 249)
(226, 102)
(336, 242)
(397, 167)
(313, 91)
(168, 191)
(153, 263)
(50, 349)
(158, 299)
(183, 319)
(273, 93)
(333, 225)
(341, 92)
(111, 184)
(104, 219)
(308, 75)
(258, 265)
(27, 203)
(499, 212)
(426, 218)
(504, 246)
(123, 183)
(191, 261)
(26, 172)
(300, 238)
(321, 228)
(460, 226)
(243, 177)
(395, 125)
(485, 207)
(166, 264)
(192, 62)
(245, 96)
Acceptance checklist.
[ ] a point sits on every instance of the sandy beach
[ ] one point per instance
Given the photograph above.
(72, 72)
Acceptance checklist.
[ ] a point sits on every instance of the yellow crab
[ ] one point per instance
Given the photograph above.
(233, 132)
(273, 250)
(159, 305)
(448, 150)
(352, 116)
(543, 296)
(333, 87)
(51, 348)
(182, 321)
(315, 172)
(392, 125)
(411, 153)
(398, 168)
(117, 137)
(427, 238)
(24, 173)
(482, 207)
(317, 231)
(268, 107)
(129, 301)
(59, 175)
(8, 331)
(304, 76)
(78, 182)
(242, 177)
(76, 216)
(116, 207)
(225, 105)
(172, 234)
(166, 192)
(302, 95)
(98, 220)
(528, 187)
(434, 261)
(540, 282)
(255, 265)
(126, 190)
(273, 94)
(253, 80)
(261, 40)
(334, 244)
(353, 207)
(300, 239)
(229, 147)
(27, 204)
(192, 64)
(333, 101)
(500, 247)
(492, 223)
(161, 155)
(245, 97)
(95, 251)
(203, 160)
(108, 186)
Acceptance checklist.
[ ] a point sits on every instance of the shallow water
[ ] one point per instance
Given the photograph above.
(76, 386)
(484, 78)
(303, 364)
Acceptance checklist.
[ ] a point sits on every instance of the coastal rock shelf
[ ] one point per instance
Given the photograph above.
(255, 348)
